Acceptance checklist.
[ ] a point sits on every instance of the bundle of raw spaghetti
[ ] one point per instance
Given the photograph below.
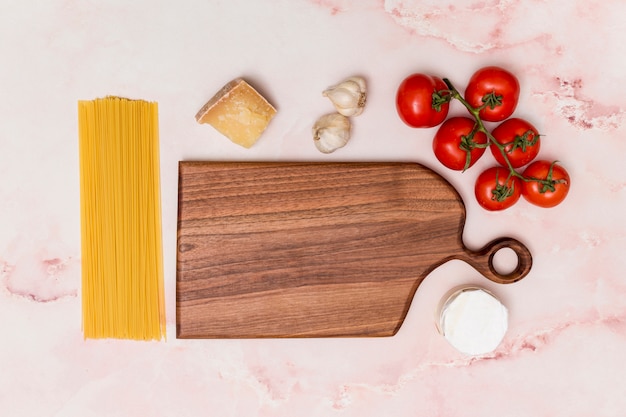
(122, 258)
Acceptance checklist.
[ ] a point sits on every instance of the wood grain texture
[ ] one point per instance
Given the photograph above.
(314, 249)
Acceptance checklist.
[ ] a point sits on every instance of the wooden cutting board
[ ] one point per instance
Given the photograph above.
(314, 249)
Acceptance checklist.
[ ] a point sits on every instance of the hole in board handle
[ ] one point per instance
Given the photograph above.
(505, 261)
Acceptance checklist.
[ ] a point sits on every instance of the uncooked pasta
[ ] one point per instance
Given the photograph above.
(121, 241)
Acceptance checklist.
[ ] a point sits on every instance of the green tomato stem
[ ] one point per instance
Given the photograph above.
(548, 183)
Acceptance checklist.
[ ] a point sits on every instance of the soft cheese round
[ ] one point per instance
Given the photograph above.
(473, 321)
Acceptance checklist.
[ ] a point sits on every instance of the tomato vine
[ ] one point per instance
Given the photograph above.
(492, 95)
(493, 100)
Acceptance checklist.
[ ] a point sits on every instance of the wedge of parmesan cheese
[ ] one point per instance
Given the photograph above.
(238, 112)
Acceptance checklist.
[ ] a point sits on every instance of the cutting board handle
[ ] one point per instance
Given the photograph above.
(482, 260)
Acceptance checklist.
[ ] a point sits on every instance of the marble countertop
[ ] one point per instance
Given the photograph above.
(563, 354)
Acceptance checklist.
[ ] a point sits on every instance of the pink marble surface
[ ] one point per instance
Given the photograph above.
(564, 354)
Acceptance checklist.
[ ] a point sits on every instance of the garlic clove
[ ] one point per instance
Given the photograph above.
(349, 96)
(331, 132)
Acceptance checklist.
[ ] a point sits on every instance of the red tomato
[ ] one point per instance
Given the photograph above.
(452, 146)
(553, 192)
(520, 139)
(494, 192)
(496, 89)
(415, 103)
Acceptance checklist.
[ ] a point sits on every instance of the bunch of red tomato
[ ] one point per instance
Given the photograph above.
(491, 96)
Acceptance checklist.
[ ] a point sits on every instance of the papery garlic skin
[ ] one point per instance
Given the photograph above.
(331, 132)
(349, 96)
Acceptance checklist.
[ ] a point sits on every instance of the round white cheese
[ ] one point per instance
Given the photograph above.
(473, 321)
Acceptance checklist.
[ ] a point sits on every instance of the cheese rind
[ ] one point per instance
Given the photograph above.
(238, 112)
(473, 321)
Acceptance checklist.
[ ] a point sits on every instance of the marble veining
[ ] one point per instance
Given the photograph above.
(564, 352)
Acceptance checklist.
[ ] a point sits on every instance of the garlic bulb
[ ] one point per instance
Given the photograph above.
(348, 96)
(331, 132)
